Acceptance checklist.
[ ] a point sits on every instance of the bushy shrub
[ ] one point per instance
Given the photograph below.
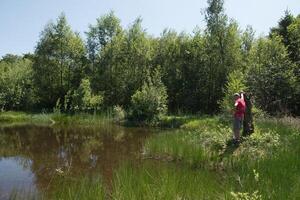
(150, 102)
(259, 145)
(16, 91)
(82, 98)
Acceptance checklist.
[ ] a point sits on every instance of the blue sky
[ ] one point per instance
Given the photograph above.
(21, 21)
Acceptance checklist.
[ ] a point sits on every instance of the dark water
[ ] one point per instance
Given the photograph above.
(31, 155)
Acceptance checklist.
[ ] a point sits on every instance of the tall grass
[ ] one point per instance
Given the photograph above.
(83, 188)
(55, 118)
(10, 117)
(198, 142)
(81, 118)
(168, 182)
(147, 181)
(66, 188)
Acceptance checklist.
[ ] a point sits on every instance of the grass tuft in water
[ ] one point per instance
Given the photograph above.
(168, 182)
(78, 189)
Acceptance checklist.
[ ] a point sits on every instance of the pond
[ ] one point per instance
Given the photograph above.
(30, 155)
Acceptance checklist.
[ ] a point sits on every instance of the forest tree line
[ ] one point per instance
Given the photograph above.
(190, 72)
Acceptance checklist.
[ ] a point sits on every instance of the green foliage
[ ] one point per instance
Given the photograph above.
(123, 65)
(236, 83)
(16, 89)
(223, 48)
(195, 67)
(150, 102)
(10, 58)
(58, 62)
(82, 98)
(294, 52)
(271, 76)
(247, 44)
(100, 34)
(172, 50)
(294, 44)
(289, 28)
(282, 28)
(260, 145)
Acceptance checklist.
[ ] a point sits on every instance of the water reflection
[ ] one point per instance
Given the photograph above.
(13, 175)
(31, 155)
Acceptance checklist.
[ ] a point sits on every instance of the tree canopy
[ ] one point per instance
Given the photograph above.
(197, 70)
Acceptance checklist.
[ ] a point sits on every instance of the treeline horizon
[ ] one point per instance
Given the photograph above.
(197, 70)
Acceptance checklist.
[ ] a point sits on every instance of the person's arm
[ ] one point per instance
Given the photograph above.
(242, 95)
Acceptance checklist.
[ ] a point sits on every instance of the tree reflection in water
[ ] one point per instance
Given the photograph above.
(70, 151)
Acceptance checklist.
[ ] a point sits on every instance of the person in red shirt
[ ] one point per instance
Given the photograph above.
(238, 115)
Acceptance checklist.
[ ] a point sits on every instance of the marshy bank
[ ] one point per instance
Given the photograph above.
(91, 158)
(264, 166)
(58, 118)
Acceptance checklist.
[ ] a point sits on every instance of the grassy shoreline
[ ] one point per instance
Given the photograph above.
(264, 166)
(169, 121)
(11, 117)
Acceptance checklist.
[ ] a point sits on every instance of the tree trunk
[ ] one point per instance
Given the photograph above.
(248, 127)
